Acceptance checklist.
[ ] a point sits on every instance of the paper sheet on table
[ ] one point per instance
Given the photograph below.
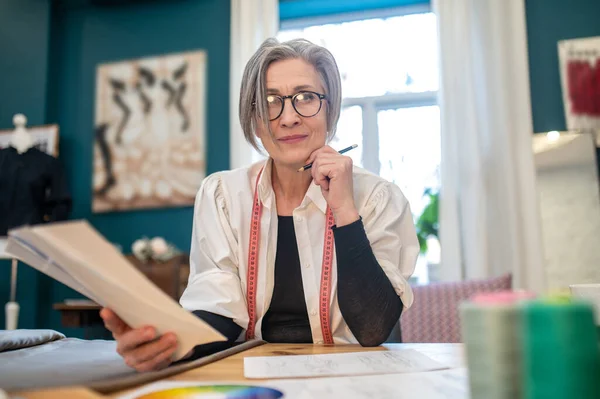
(357, 363)
(444, 384)
(75, 254)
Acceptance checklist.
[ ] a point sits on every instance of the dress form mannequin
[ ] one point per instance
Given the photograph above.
(21, 140)
(33, 190)
(12, 307)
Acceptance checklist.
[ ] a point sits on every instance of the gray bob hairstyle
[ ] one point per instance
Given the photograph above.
(253, 93)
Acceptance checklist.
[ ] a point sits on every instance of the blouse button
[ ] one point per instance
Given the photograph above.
(313, 312)
(298, 218)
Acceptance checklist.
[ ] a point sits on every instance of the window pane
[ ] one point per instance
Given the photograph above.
(349, 131)
(379, 56)
(409, 150)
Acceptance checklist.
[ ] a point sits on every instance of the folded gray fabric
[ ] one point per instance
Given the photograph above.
(69, 361)
(19, 339)
(95, 364)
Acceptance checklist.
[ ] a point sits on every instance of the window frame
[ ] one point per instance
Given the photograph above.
(301, 23)
(371, 105)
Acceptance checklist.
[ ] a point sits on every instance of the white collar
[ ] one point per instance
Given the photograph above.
(267, 195)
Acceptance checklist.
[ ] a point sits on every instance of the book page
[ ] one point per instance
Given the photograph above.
(69, 258)
(358, 363)
(113, 282)
(94, 250)
(26, 255)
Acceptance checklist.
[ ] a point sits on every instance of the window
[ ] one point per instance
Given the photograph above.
(389, 69)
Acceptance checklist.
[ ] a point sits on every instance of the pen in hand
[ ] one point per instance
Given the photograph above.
(308, 166)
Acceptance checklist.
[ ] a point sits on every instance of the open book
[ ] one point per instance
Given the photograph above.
(75, 254)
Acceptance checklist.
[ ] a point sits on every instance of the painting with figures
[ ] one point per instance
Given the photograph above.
(149, 132)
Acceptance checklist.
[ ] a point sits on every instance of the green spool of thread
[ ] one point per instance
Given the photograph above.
(491, 327)
(561, 357)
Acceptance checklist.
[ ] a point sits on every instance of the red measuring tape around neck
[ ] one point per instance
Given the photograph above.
(253, 248)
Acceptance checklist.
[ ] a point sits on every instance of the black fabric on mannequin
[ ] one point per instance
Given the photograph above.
(33, 189)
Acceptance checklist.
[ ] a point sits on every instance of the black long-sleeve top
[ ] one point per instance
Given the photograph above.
(367, 300)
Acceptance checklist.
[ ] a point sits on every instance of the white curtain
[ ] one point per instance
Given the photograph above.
(489, 216)
(252, 21)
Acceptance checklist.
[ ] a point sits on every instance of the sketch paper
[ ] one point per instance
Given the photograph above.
(358, 363)
(444, 384)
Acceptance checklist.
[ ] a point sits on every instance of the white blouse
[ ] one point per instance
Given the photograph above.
(220, 237)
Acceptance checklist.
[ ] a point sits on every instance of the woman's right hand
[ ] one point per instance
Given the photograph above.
(140, 347)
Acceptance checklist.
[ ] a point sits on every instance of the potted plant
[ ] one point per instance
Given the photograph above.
(427, 227)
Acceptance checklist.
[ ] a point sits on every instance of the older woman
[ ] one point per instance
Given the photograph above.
(284, 254)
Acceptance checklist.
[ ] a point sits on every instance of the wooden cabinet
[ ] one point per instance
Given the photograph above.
(170, 276)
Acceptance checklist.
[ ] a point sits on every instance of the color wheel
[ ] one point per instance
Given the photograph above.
(215, 392)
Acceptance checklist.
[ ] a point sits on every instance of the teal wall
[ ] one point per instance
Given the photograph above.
(23, 77)
(23, 59)
(549, 21)
(82, 34)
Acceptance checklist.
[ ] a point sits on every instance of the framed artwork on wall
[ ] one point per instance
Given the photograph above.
(45, 138)
(580, 81)
(149, 132)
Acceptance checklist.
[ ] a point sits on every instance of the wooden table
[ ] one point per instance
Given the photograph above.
(232, 368)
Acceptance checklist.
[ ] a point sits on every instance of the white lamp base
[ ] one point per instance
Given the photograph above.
(12, 315)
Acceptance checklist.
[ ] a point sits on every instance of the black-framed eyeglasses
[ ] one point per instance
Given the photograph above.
(305, 103)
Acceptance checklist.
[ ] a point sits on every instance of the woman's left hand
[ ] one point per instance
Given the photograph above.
(332, 172)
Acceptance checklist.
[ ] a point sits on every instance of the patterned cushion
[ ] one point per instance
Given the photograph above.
(434, 316)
